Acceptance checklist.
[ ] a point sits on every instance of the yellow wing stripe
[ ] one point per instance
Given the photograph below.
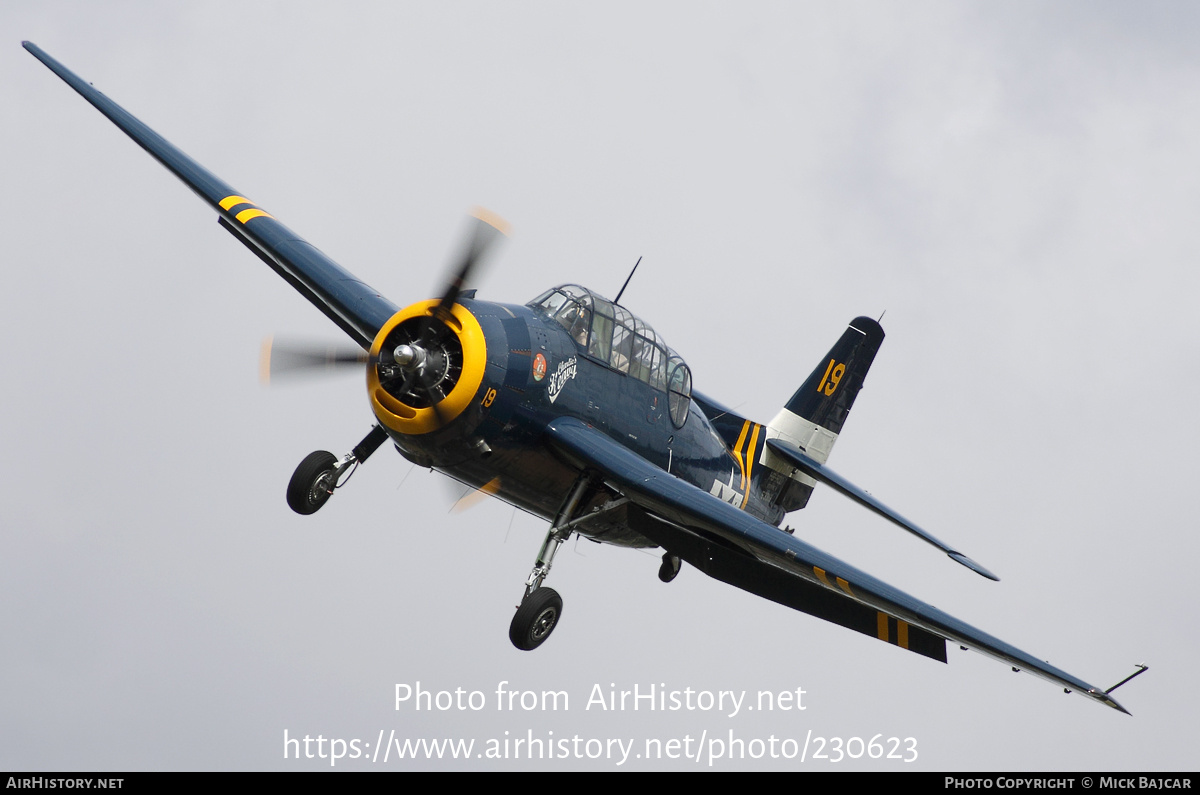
(229, 202)
(246, 215)
(883, 630)
(233, 201)
(845, 586)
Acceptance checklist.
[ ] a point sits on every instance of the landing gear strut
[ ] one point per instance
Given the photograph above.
(541, 608)
(314, 481)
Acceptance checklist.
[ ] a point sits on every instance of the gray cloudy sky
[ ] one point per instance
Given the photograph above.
(1014, 184)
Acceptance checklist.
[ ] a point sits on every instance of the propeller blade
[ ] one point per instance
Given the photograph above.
(437, 412)
(486, 229)
(475, 496)
(291, 359)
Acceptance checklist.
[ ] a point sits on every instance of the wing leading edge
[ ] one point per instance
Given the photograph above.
(355, 307)
(733, 546)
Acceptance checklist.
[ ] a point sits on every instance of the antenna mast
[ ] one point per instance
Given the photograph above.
(617, 301)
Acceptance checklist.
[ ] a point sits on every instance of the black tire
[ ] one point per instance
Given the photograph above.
(536, 618)
(670, 567)
(303, 495)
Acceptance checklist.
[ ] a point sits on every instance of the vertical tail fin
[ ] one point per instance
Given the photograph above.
(814, 416)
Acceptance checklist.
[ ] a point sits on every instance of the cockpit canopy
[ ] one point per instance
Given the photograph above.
(608, 333)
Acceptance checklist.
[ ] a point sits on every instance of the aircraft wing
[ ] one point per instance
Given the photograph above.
(735, 547)
(358, 309)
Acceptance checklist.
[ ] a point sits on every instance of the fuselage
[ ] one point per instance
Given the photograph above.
(568, 353)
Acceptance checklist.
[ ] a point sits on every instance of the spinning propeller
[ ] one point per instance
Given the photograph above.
(421, 359)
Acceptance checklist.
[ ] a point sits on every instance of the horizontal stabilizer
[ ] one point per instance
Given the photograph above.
(830, 478)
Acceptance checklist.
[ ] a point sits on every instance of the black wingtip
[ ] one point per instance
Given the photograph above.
(1108, 701)
(959, 557)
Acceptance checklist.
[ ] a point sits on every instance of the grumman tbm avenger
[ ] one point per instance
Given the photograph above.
(575, 410)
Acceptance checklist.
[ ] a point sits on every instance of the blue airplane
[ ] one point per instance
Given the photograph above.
(575, 410)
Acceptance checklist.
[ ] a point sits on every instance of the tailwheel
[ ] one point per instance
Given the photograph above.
(536, 618)
(312, 483)
(671, 564)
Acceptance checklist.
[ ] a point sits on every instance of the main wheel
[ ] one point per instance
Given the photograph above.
(312, 483)
(535, 619)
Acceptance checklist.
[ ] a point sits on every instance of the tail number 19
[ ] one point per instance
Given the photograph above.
(833, 374)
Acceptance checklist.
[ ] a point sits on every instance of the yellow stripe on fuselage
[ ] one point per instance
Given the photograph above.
(737, 454)
(745, 459)
(749, 479)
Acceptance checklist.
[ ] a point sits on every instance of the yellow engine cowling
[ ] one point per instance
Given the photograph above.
(413, 421)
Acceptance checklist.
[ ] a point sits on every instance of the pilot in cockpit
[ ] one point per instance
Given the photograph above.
(576, 322)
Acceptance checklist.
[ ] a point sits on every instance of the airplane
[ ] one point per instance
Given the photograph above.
(575, 410)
